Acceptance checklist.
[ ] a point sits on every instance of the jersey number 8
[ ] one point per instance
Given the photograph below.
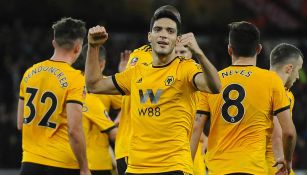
(233, 102)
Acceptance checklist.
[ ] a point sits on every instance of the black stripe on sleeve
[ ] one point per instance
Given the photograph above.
(21, 98)
(107, 130)
(194, 79)
(203, 112)
(117, 86)
(281, 110)
(74, 101)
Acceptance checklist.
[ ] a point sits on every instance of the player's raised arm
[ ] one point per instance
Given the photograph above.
(209, 80)
(95, 82)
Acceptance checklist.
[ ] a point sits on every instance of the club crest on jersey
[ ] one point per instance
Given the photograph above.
(133, 61)
(84, 108)
(169, 80)
(139, 80)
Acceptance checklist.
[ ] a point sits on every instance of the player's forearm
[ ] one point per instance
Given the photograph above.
(78, 145)
(289, 142)
(196, 134)
(92, 70)
(212, 80)
(277, 144)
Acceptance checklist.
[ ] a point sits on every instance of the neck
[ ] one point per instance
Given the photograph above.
(244, 60)
(161, 60)
(282, 75)
(62, 56)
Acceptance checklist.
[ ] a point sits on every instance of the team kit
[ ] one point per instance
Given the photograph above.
(168, 93)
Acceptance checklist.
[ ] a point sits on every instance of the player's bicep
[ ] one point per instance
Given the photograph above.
(286, 122)
(200, 82)
(74, 115)
(20, 114)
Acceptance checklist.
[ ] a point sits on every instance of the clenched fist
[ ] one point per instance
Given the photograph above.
(189, 40)
(97, 36)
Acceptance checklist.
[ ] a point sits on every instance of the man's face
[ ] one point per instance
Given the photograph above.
(183, 51)
(294, 75)
(163, 36)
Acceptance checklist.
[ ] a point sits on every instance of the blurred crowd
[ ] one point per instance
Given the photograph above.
(21, 46)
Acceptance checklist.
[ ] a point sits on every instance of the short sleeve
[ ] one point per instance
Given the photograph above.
(122, 81)
(280, 100)
(76, 90)
(193, 69)
(202, 103)
(21, 88)
(116, 101)
(96, 112)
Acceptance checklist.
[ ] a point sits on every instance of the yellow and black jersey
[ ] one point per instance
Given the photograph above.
(163, 106)
(240, 116)
(97, 124)
(269, 152)
(46, 87)
(141, 55)
(111, 101)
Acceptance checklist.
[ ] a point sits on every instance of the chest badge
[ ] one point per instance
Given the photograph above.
(169, 80)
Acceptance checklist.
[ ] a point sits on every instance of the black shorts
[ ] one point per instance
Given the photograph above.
(164, 173)
(101, 172)
(121, 165)
(28, 168)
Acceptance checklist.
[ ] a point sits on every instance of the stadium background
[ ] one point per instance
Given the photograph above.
(26, 34)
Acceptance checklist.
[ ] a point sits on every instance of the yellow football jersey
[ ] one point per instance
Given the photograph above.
(269, 153)
(46, 87)
(96, 124)
(110, 101)
(141, 55)
(199, 167)
(240, 116)
(163, 106)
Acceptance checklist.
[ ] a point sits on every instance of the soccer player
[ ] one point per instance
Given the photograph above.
(50, 108)
(97, 125)
(199, 164)
(286, 60)
(241, 114)
(162, 95)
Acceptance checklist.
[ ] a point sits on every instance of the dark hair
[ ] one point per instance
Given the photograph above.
(244, 37)
(283, 52)
(167, 11)
(67, 31)
(80, 62)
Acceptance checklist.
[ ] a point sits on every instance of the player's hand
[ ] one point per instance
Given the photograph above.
(189, 41)
(284, 167)
(124, 57)
(97, 36)
(85, 172)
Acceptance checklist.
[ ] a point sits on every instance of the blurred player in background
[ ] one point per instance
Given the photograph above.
(162, 98)
(98, 126)
(141, 55)
(286, 60)
(241, 114)
(50, 108)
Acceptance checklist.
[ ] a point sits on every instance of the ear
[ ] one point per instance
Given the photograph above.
(54, 44)
(149, 37)
(288, 68)
(258, 48)
(77, 48)
(230, 51)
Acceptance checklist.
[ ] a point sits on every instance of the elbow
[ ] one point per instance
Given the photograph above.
(216, 88)
(90, 86)
(289, 134)
(73, 133)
